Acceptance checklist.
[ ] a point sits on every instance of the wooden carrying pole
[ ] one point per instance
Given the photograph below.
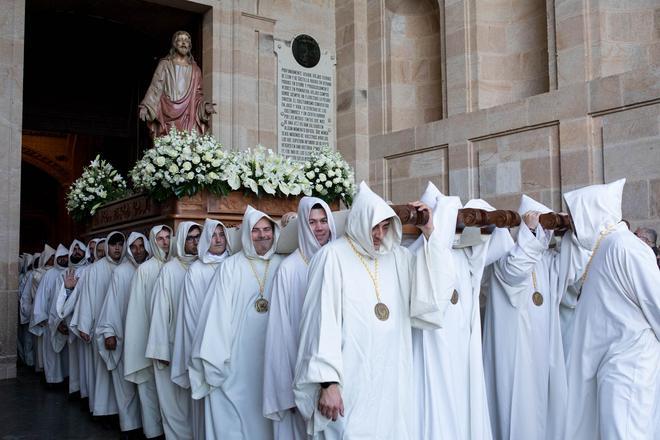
(487, 220)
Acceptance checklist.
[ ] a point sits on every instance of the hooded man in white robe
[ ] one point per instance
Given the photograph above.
(46, 262)
(523, 351)
(354, 376)
(110, 338)
(228, 349)
(615, 351)
(137, 367)
(100, 248)
(21, 337)
(174, 401)
(55, 363)
(450, 391)
(92, 291)
(26, 266)
(28, 339)
(316, 228)
(91, 250)
(213, 249)
(60, 337)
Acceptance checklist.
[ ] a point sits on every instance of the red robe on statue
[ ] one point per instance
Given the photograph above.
(187, 112)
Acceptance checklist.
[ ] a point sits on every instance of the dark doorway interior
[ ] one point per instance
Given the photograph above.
(39, 209)
(87, 66)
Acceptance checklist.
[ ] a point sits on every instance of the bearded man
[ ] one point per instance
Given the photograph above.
(175, 98)
(365, 292)
(228, 351)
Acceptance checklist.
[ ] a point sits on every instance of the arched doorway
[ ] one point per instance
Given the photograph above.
(87, 66)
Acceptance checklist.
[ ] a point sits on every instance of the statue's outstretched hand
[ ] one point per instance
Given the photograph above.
(143, 113)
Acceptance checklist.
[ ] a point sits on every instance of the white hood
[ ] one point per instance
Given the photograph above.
(36, 261)
(180, 242)
(529, 204)
(593, 209)
(131, 239)
(83, 248)
(100, 241)
(61, 252)
(500, 242)
(307, 242)
(205, 242)
(157, 252)
(251, 218)
(367, 211)
(27, 262)
(45, 255)
(430, 195)
(123, 250)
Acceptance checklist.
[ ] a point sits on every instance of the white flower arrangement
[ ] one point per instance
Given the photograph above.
(262, 171)
(99, 183)
(330, 176)
(183, 163)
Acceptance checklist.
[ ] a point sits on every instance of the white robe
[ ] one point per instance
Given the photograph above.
(283, 330)
(282, 336)
(343, 341)
(523, 352)
(449, 376)
(27, 338)
(450, 391)
(137, 368)
(38, 341)
(111, 323)
(227, 364)
(615, 353)
(195, 286)
(79, 351)
(92, 290)
(190, 306)
(55, 363)
(174, 401)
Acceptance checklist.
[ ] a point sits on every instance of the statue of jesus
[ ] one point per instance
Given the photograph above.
(175, 98)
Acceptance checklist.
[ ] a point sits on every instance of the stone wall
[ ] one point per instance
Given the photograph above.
(539, 97)
(544, 145)
(12, 24)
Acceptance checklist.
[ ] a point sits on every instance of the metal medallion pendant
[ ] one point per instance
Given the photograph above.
(537, 298)
(381, 311)
(454, 297)
(261, 305)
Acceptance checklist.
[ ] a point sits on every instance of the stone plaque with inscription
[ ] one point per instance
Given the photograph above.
(305, 97)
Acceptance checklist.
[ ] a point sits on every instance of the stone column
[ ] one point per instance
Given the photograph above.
(352, 85)
(12, 34)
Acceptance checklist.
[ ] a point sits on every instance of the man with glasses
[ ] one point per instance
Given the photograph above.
(174, 400)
